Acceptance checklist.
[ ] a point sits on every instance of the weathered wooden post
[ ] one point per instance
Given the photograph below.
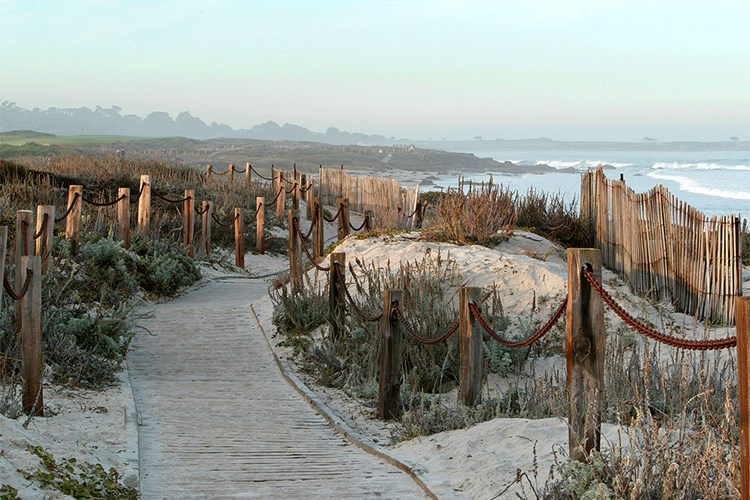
(29, 330)
(391, 344)
(209, 171)
(144, 205)
(260, 217)
(369, 220)
(470, 347)
(343, 226)
(295, 258)
(584, 352)
(308, 199)
(3, 251)
(303, 192)
(248, 174)
(239, 238)
(318, 233)
(230, 173)
(418, 215)
(123, 216)
(295, 195)
(45, 228)
(280, 199)
(337, 294)
(73, 221)
(188, 225)
(742, 317)
(207, 210)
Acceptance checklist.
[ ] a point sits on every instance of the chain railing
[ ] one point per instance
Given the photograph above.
(104, 203)
(24, 288)
(513, 344)
(70, 208)
(413, 331)
(307, 250)
(635, 325)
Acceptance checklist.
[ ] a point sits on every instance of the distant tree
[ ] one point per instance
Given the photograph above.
(477, 137)
(734, 138)
(649, 139)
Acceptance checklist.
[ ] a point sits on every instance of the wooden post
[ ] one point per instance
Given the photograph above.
(308, 199)
(343, 229)
(248, 174)
(29, 330)
(44, 241)
(295, 195)
(3, 251)
(123, 216)
(418, 215)
(280, 199)
(239, 238)
(470, 347)
(318, 233)
(303, 195)
(391, 343)
(260, 217)
(369, 220)
(73, 221)
(209, 171)
(207, 209)
(24, 247)
(337, 294)
(144, 204)
(230, 173)
(584, 352)
(188, 220)
(742, 317)
(295, 259)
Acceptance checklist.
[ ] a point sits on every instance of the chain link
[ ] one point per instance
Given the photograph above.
(521, 343)
(24, 288)
(167, 200)
(70, 208)
(341, 210)
(42, 227)
(354, 305)
(259, 175)
(307, 250)
(413, 332)
(635, 325)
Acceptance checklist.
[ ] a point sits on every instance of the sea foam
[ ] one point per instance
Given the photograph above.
(694, 186)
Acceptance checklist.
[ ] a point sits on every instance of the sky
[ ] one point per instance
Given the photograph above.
(567, 70)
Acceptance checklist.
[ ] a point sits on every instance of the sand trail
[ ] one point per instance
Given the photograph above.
(217, 419)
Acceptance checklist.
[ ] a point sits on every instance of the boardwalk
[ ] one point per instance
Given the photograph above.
(218, 419)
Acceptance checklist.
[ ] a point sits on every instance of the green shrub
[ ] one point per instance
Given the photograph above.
(163, 267)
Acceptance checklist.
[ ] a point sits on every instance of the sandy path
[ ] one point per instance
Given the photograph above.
(218, 419)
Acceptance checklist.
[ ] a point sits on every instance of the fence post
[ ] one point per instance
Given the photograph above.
(303, 193)
(144, 204)
(206, 228)
(742, 317)
(280, 199)
(318, 233)
(418, 215)
(470, 347)
(295, 259)
(336, 294)
(44, 241)
(230, 173)
(209, 171)
(239, 238)
(123, 216)
(29, 330)
(295, 195)
(188, 225)
(308, 199)
(343, 229)
(584, 353)
(73, 221)
(248, 174)
(369, 220)
(260, 217)
(3, 251)
(391, 343)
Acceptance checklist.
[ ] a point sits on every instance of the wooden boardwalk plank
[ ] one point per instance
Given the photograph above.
(219, 420)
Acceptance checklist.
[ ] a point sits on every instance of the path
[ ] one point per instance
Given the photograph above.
(218, 419)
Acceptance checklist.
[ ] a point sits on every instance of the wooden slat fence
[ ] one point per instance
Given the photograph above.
(665, 248)
(382, 196)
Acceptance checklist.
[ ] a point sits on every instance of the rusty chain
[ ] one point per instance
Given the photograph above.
(251, 220)
(24, 289)
(307, 250)
(290, 190)
(70, 208)
(203, 211)
(222, 224)
(281, 190)
(635, 325)
(104, 204)
(42, 227)
(362, 226)
(413, 332)
(140, 191)
(219, 173)
(349, 297)
(341, 209)
(167, 200)
(474, 308)
(238, 171)
(259, 175)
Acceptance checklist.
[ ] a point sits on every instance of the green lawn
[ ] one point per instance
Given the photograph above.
(71, 140)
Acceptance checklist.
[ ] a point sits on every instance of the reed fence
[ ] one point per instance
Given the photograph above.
(665, 248)
(384, 197)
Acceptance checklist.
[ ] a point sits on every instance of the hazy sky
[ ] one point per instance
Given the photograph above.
(562, 69)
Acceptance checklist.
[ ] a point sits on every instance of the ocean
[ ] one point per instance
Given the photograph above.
(715, 182)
